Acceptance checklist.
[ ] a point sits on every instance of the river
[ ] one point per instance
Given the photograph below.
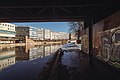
(21, 60)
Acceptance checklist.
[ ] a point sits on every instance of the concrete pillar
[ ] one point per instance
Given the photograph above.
(90, 44)
(26, 40)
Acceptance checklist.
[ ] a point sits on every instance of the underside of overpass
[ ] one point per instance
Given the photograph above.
(56, 10)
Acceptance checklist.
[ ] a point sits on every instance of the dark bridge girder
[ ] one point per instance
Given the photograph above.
(56, 10)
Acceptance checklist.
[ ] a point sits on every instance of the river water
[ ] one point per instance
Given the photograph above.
(12, 56)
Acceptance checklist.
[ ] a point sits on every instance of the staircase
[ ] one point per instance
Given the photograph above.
(30, 41)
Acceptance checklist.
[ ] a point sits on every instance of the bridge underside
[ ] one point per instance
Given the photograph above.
(55, 10)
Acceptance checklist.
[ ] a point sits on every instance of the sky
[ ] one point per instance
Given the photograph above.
(54, 26)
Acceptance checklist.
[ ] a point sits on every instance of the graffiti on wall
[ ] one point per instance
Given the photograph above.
(85, 40)
(107, 46)
(115, 45)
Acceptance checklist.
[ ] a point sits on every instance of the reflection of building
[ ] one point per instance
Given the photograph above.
(47, 50)
(7, 33)
(29, 54)
(41, 51)
(35, 52)
(21, 53)
(7, 58)
(7, 62)
(54, 48)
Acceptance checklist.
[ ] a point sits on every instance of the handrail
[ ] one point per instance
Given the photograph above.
(53, 75)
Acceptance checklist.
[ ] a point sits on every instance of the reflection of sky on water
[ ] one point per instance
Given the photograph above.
(9, 55)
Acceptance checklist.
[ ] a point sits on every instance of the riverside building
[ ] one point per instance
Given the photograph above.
(23, 31)
(47, 34)
(39, 34)
(7, 33)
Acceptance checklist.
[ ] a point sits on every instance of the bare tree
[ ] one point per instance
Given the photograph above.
(75, 27)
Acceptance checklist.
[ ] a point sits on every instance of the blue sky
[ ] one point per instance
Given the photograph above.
(54, 26)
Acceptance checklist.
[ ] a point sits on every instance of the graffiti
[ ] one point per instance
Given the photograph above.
(106, 45)
(85, 41)
(115, 45)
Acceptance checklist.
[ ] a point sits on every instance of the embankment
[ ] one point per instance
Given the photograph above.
(35, 43)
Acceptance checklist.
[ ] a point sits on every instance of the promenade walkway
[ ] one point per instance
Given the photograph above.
(74, 65)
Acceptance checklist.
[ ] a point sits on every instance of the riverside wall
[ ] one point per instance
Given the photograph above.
(30, 44)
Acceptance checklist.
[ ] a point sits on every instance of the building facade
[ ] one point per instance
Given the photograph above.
(47, 34)
(7, 32)
(59, 36)
(23, 31)
(40, 35)
(63, 35)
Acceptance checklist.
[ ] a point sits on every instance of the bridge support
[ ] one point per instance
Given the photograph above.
(90, 44)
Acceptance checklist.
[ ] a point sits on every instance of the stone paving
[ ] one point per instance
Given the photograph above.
(74, 65)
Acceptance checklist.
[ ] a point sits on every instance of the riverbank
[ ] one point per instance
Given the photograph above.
(29, 44)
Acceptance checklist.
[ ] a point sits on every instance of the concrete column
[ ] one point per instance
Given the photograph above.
(26, 40)
(90, 44)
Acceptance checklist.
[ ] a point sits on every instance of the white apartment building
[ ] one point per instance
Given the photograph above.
(63, 35)
(7, 30)
(40, 34)
(59, 35)
(53, 34)
(33, 33)
(47, 34)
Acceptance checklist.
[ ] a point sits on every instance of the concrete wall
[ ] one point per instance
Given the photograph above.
(106, 40)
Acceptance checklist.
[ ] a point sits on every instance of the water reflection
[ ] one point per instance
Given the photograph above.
(9, 55)
(34, 52)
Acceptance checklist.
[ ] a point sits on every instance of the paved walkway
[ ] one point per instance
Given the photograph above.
(75, 65)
